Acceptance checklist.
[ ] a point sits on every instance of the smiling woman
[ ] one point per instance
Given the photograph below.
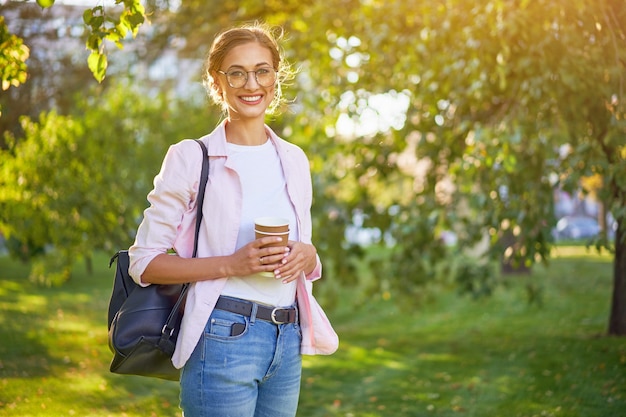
(250, 311)
(270, 71)
(244, 97)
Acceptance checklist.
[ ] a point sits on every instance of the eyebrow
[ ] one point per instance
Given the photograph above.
(261, 64)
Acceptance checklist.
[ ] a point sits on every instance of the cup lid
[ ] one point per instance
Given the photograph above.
(272, 233)
(271, 221)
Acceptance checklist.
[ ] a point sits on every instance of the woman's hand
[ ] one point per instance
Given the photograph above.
(301, 257)
(256, 257)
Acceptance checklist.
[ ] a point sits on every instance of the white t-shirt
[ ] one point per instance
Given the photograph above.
(264, 194)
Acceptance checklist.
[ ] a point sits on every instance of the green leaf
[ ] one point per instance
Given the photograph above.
(97, 63)
(93, 42)
(114, 36)
(135, 20)
(122, 29)
(45, 3)
(97, 22)
(87, 16)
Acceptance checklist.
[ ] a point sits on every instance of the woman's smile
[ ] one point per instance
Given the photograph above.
(252, 99)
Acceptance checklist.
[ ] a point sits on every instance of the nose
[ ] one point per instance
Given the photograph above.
(251, 78)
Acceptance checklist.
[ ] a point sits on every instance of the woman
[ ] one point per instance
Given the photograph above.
(243, 334)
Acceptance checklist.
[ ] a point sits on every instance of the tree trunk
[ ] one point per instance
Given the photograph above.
(89, 265)
(617, 320)
(602, 217)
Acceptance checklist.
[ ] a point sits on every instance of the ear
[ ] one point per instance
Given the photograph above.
(215, 85)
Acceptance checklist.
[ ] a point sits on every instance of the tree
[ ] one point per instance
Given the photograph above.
(78, 183)
(13, 57)
(54, 45)
(103, 24)
(508, 100)
(498, 91)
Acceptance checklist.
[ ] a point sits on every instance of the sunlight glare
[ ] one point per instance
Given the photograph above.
(379, 113)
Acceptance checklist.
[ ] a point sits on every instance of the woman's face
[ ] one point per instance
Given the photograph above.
(252, 99)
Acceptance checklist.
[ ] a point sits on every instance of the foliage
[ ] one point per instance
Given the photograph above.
(55, 75)
(45, 3)
(488, 114)
(75, 184)
(13, 58)
(451, 356)
(508, 101)
(103, 27)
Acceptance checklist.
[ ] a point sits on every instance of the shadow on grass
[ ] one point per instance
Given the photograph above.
(54, 345)
(499, 374)
(493, 357)
(39, 326)
(24, 318)
(450, 355)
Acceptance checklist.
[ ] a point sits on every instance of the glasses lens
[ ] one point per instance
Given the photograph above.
(265, 76)
(237, 79)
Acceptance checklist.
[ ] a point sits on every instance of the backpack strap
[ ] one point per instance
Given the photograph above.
(168, 328)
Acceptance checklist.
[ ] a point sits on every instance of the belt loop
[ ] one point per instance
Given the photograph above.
(255, 308)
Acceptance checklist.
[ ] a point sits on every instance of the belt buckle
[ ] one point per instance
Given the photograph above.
(273, 316)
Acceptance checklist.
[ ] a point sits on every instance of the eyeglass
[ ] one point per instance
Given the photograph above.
(237, 78)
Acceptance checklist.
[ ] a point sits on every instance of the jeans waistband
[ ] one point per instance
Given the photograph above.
(276, 315)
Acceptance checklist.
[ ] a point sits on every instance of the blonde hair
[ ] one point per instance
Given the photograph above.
(231, 38)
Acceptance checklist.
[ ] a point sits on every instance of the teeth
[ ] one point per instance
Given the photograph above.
(253, 98)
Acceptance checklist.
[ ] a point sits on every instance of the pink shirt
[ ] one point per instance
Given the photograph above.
(169, 222)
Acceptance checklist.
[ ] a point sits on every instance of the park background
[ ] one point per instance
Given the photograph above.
(442, 136)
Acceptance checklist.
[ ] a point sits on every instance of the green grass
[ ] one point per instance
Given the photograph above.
(449, 356)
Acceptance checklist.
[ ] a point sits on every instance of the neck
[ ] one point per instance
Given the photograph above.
(249, 134)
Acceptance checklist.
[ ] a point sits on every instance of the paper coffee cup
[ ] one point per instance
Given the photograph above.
(272, 226)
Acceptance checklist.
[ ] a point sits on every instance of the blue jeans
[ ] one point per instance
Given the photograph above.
(254, 374)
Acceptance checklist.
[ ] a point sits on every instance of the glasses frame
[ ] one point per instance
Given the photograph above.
(256, 76)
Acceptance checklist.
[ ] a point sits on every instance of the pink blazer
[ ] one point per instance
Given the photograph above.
(169, 222)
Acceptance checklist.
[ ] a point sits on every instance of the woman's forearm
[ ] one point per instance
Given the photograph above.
(172, 269)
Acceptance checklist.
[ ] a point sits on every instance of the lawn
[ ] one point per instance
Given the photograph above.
(448, 356)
